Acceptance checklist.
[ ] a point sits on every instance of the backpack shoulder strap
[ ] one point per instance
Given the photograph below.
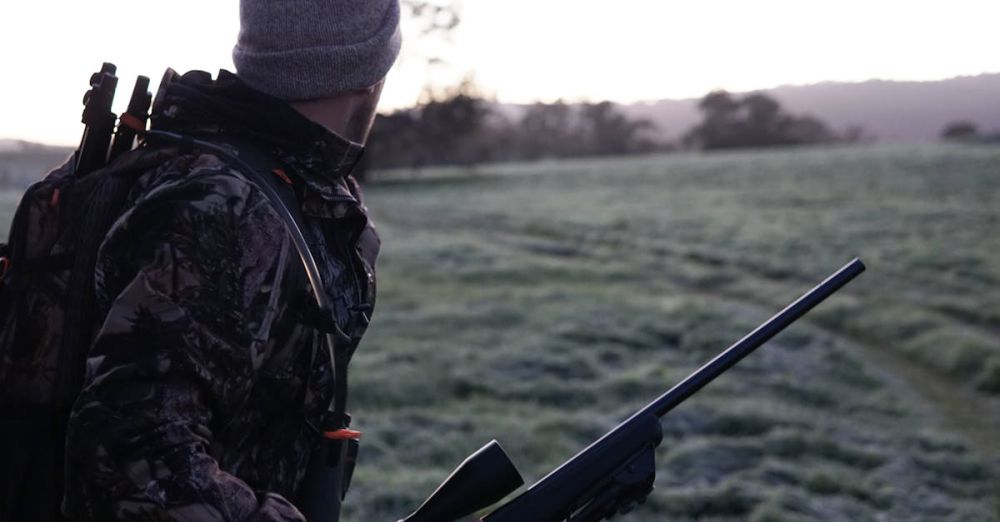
(257, 167)
(331, 463)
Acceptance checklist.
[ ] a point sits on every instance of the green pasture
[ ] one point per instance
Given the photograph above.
(8, 202)
(539, 304)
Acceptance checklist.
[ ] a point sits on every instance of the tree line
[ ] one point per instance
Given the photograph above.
(757, 120)
(968, 132)
(461, 127)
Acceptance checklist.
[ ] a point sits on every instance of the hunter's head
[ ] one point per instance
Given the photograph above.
(327, 58)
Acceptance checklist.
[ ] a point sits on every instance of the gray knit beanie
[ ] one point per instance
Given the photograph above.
(304, 49)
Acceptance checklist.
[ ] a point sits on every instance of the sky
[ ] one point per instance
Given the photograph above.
(517, 51)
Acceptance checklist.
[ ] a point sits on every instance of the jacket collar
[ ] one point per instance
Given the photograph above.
(195, 104)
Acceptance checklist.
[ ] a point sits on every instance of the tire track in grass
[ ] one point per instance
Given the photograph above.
(950, 408)
(953, 409)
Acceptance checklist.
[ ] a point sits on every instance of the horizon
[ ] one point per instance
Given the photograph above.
(635, 103)
(776, 87)
(642, 51)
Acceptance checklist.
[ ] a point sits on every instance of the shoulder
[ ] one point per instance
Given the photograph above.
(186, 193)
(194, 210)
(196, 183)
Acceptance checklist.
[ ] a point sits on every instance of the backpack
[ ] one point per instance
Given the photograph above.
(47, 308)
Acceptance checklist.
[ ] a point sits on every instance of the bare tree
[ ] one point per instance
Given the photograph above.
(433, 17)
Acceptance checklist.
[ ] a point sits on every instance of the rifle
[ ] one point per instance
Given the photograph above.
(613, 474)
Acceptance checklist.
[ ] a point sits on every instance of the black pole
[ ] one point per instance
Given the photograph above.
(133, 120)
(752, 341)
(98, 119)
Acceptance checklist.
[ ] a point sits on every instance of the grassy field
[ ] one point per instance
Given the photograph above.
(8, 202)
(540, 304)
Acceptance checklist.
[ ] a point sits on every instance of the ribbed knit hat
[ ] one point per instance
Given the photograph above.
(304, 49)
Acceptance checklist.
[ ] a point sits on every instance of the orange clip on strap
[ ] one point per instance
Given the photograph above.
(54, 198)
(4, 265)
(342, 434)
(281, 174)
(133, 122)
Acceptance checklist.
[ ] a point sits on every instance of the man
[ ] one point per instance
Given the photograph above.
(206, 381)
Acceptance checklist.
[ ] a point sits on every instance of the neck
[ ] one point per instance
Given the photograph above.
(348, 115)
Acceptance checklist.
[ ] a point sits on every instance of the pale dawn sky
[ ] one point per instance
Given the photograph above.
(517, 50)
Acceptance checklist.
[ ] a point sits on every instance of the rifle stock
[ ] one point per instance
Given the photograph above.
(616, 472)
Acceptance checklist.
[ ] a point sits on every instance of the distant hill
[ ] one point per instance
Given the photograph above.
(22, 162)
(8, 147)
(889, 111)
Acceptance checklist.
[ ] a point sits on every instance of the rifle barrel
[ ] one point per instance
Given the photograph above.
(752, 341)
(566, 488)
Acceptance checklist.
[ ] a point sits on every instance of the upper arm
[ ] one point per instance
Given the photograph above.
(184, 277)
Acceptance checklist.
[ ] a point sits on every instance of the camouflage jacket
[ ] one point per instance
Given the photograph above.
(204, 381)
